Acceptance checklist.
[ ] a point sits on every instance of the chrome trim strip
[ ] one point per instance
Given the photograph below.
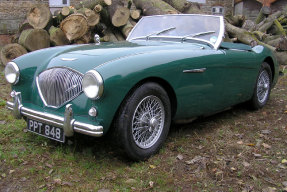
(67, 122)
(69, 59)
(202, 70)
(40, 93)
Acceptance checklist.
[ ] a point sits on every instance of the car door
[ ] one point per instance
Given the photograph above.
(240, 68)
(212, 80)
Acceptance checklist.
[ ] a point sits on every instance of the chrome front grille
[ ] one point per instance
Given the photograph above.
(58, 86)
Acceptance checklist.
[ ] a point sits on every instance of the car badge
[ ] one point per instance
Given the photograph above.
(69, 59)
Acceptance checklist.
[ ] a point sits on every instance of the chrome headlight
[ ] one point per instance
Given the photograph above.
(12, 73)
(93, 84)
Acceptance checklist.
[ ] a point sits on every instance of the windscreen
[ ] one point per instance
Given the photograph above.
(203, 27)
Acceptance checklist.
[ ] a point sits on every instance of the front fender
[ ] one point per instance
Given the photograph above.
(121, 75)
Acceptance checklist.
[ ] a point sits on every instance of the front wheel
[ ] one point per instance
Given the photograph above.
(263, 87)
(143, 121)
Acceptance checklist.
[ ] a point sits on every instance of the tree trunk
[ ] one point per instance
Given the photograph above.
(98, 8)
(34, 39)
(259, 35)
(93, 18)
(90, 4)
(280, 43)
(154, 7)
(179, 5)
(119, 35)
(237, 20)
(85, 39)
(25, 25)
(11, 51)
(260, 17)
(57, 36)
(193, 8)
(245, 36)
(66, 11)
(281, 57)
(109, 36)
(271, 37)
(269, 21)
(74, 26)
(119, 14)
(135, 14)
(127, 29)
(249, 25)
(279, 29)
(39, 16)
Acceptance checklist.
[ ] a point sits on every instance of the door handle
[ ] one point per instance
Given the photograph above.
(195, 70)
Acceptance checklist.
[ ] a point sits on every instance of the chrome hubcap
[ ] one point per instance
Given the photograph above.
(263, 86)
(148, 122)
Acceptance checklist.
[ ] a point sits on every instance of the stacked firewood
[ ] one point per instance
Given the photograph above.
(269, 29)
(114, 19)
(111, 19)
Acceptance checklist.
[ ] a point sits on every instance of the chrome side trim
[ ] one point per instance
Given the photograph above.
(68, 123)
(202, 70)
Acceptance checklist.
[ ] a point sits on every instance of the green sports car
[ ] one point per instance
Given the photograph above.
(172, 67)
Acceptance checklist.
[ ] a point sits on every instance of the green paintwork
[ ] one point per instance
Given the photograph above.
(229, 77)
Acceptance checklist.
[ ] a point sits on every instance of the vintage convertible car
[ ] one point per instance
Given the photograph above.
(172, 67)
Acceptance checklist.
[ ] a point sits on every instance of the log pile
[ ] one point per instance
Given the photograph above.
(114, 19)
(269, 29)
(111, 19)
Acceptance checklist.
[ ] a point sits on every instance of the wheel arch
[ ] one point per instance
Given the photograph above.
(167, 87)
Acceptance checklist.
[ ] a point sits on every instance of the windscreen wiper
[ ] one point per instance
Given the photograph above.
(160, 32)
(197, 34)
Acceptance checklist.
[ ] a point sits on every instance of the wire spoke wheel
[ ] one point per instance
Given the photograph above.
(148, 122)
(263, 86)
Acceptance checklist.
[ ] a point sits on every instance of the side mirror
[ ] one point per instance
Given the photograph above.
(97, 39)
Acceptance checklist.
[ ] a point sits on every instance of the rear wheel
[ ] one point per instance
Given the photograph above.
(263, 87)
(143, 121)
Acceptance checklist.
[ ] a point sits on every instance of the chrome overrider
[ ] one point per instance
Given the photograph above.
(68, 123)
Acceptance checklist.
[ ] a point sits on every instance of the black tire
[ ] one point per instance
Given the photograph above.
(131, 115)
(259, 100)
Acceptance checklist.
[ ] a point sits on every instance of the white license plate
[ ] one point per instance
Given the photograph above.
(55, 133)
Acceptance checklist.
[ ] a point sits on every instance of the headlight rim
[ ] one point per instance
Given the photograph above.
(17, 71)
(97, 76)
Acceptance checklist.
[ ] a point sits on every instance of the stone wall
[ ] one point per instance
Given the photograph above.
(251, 8)
(226, 4)
(279, 5)
(13, 12)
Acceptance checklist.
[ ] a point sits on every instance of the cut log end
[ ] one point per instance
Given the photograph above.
(39, 16)
(120, 17)
(135, 14)
(10, 52)
(98, 8)
(74, 26)
(58, 37)
(34, 39)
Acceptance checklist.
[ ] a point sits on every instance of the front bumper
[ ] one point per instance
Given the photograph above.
(68, 123)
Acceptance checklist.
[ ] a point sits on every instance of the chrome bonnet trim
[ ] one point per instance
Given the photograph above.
(68, 123)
